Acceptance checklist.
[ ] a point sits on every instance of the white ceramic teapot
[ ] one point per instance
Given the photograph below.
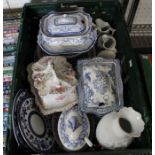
(117, 129)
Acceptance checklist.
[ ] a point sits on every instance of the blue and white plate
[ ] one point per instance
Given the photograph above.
(73, 128)
(20, 96)
(33, 126)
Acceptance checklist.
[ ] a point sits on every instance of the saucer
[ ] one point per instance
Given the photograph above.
(73, 128)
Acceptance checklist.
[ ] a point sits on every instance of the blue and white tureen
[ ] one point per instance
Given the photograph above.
(66, 32)
(73, 129)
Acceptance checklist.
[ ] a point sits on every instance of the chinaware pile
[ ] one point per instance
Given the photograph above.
(117, 129)
(69, 99)
(100, 85)
(53, 83)
(32, 130)
(66, 32)
(73, 129)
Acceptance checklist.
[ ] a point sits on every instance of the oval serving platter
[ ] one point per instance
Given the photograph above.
(100, 86)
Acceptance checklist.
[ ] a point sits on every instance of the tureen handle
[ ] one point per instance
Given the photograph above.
(89, 143)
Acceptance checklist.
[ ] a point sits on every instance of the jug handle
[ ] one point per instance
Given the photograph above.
(88, 141)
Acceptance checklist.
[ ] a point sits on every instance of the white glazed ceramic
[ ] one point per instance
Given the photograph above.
(108, 54)
(74, 129)
(107, 42)
(112, 134)
(104, 27)
(66, 33)
(53, 83)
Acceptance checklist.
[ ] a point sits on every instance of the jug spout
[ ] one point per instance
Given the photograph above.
(117, 129)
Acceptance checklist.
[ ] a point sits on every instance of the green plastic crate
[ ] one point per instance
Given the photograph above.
(108, 10)
(146, 68)
(144, 59)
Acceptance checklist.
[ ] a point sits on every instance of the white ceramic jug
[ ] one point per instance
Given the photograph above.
(117, 129)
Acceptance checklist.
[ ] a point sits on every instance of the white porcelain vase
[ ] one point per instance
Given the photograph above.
(117, 129)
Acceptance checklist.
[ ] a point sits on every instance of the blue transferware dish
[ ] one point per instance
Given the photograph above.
(21, 95)
(73, 129)
(57, 24)
(66, 32)
(100, 85)
(34, 128)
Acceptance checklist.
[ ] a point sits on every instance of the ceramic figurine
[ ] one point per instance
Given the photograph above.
(53, 83)
(74, 129)
(117, 129)
(104, 27)
(66, 33)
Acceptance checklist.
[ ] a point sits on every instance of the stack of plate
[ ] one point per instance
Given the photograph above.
(32, 130)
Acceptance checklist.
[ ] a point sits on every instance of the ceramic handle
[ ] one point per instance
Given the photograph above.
(89, 143)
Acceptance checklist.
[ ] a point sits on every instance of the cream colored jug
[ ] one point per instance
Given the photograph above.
(117, 129)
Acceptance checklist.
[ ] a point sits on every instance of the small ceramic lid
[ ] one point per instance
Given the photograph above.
(73, 128)
(65, 24)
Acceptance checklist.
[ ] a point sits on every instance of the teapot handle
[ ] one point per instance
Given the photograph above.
(89, 143)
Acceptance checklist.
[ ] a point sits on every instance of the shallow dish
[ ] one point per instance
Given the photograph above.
(73, 128)
(100, 85)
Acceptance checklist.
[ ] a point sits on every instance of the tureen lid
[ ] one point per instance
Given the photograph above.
(65, 23)
(73, 128)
